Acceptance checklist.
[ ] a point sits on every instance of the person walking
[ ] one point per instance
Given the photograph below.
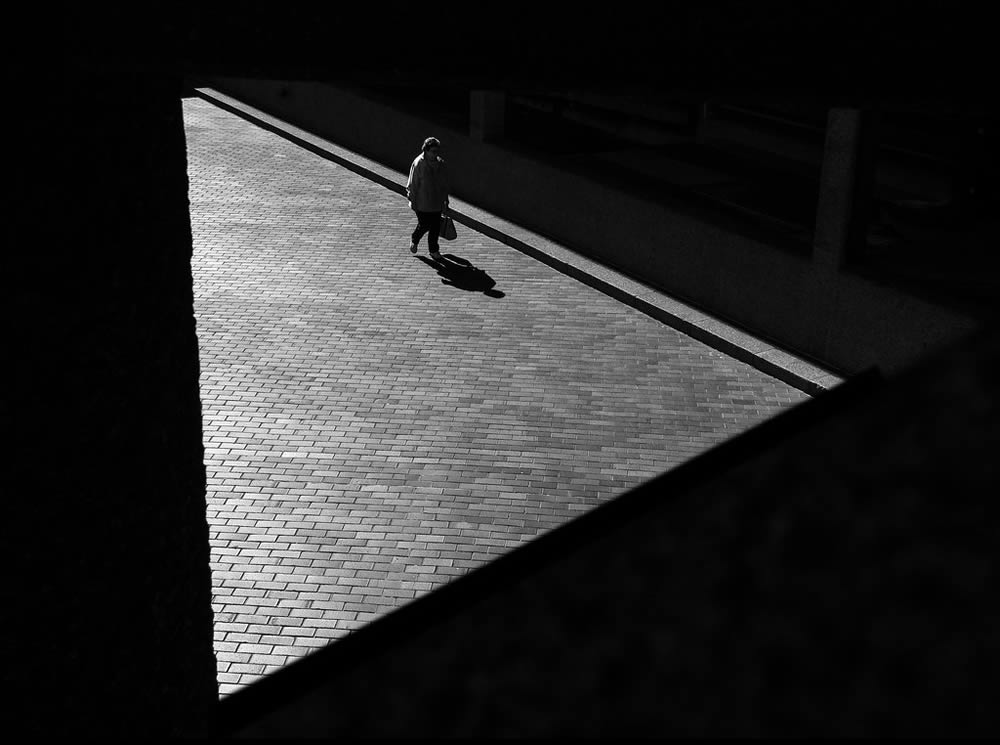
(427, 192)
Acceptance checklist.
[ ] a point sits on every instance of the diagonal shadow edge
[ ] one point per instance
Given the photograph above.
(267, 694)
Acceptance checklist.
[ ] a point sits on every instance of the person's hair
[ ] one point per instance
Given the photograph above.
(429, 143)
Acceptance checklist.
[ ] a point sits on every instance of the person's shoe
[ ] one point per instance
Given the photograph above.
(413, 248)
(436, 255)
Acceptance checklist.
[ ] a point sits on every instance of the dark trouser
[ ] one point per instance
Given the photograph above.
(430, 223)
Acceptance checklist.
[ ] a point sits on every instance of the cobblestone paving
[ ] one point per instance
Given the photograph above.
(375, 425)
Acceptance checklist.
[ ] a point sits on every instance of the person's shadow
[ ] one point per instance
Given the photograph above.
(460, 273)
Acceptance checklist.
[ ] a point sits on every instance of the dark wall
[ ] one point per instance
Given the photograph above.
(830, 573)
(107, 618)
(925, 48)
(737, 272)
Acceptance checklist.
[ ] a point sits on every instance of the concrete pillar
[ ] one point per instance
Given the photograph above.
(698, 116)
(845, 191)
(486, 115)
(969, 184)
(108, 626)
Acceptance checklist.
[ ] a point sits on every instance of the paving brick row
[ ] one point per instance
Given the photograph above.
(373, 430)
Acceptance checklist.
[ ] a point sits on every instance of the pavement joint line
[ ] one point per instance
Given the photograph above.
(711, 330)
(459, 426)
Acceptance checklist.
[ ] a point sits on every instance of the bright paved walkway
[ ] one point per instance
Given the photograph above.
(375, 425)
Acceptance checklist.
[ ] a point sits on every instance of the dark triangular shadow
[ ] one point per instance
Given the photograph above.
(462, 274)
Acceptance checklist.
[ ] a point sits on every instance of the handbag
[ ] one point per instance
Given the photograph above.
(448, 229)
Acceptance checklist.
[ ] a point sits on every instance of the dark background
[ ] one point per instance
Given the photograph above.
(107, 618)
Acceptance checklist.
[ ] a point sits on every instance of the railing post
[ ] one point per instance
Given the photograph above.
(845, 189)
(486, 115)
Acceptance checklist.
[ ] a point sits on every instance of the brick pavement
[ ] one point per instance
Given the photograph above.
(375, 425)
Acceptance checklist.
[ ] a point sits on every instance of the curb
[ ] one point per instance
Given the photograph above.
(818, 381)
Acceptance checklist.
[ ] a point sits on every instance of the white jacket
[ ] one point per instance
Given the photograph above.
(427, 185)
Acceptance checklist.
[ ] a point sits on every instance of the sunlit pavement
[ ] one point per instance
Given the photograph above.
(376, 424)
